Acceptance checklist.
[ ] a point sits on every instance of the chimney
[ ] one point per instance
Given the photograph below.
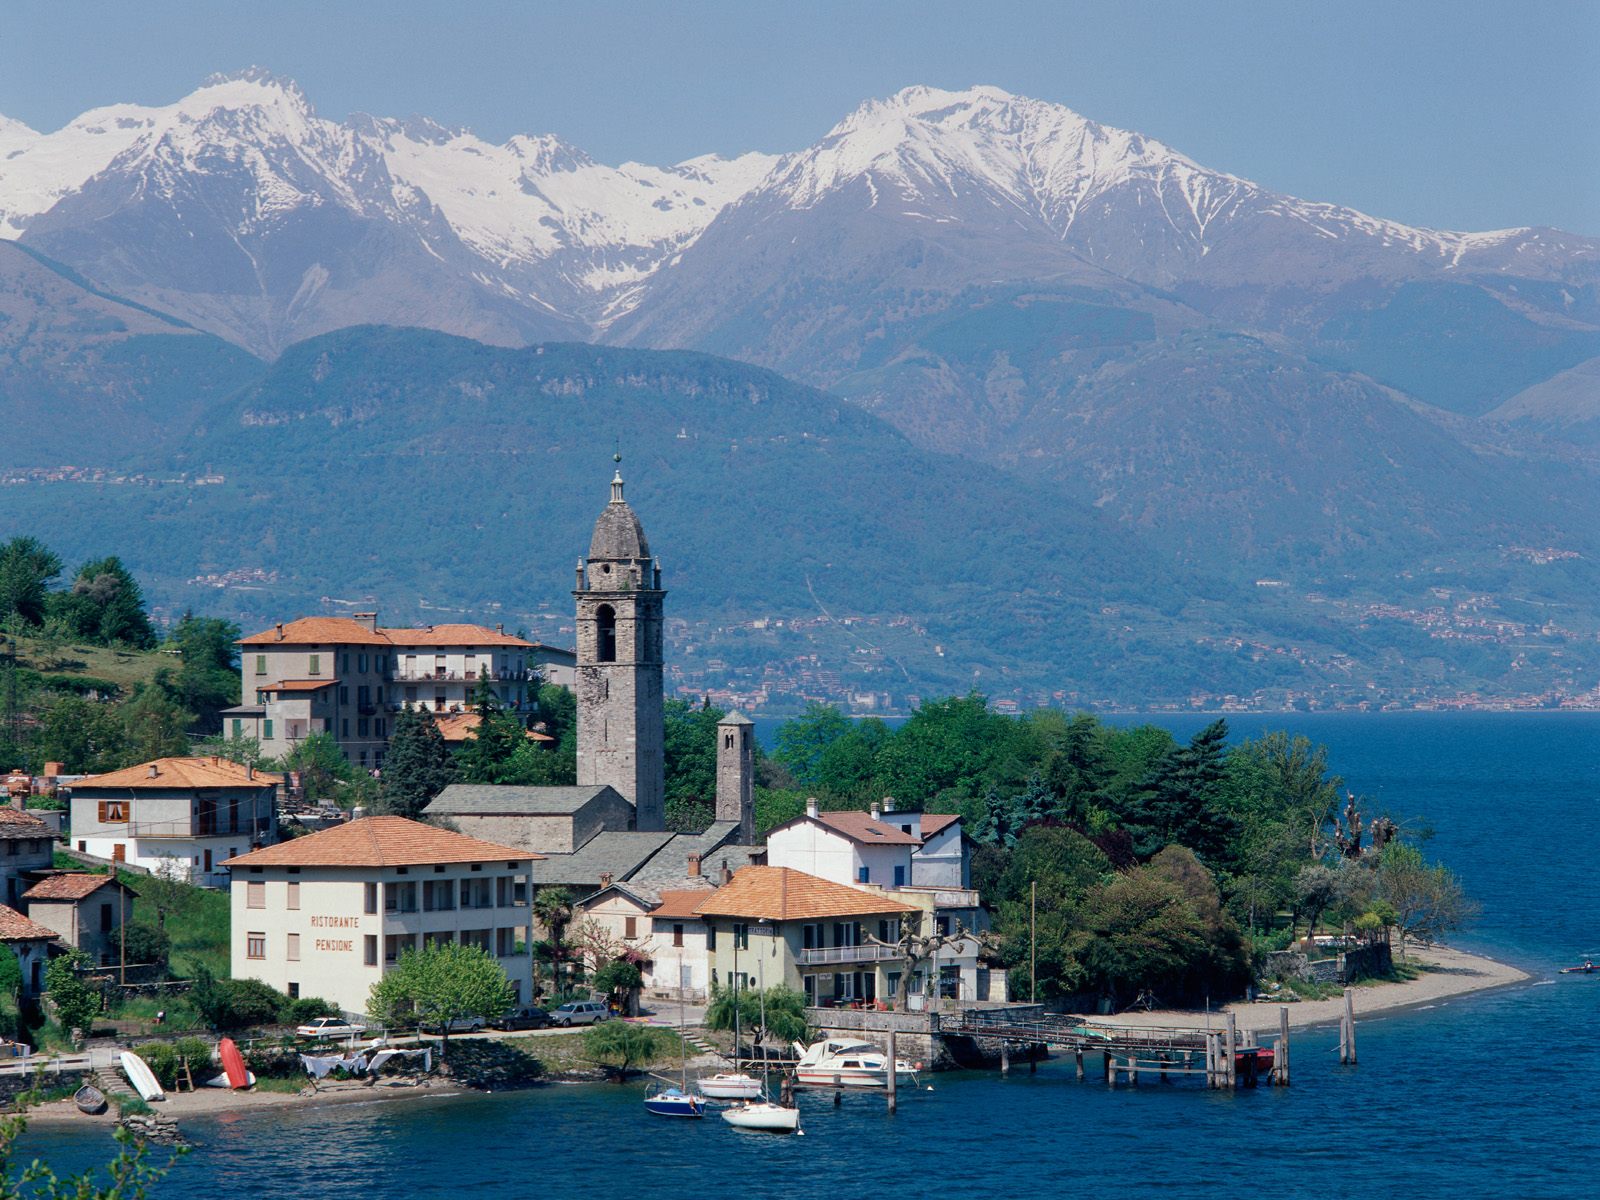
(877, 813)
(499, 627)
(605, 879)
(52, 770)
(888, 804)
(153, 771)
(811, 806)
(279, 628)
(249, 770)
(216, 760)
(727, 875)
(694, 866)
(369, 619)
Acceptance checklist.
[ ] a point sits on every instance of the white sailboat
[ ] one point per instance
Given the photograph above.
(734, 1084)
(781, 1116)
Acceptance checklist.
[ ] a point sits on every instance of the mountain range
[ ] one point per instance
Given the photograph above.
(1227, 383)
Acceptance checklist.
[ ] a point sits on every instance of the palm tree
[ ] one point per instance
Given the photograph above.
(553, 907)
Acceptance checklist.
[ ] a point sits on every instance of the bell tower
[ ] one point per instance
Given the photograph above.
(620, 718)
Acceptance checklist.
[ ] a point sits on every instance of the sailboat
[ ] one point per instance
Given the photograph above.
(782, 1116)
(675, 1099)
(734, 1084)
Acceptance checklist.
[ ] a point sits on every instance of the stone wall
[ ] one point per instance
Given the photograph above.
(916, 1033)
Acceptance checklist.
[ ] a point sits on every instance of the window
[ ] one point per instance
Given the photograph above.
(361, 663)
(261, 664)
(711, 937)
(369, 947)
(255, 894)
(293, 902)
(344, 663)
(605, 634)
(344, 694)
(396, 944)
(400, 897)
(677, 935)
(361, 727)
(344, 727)
(380, 727)
(439, 895)
(266, 729)
(363, 696)
(630, 927)
(727, 741)
(105, 918)
(294, 990)
(255, 945)
(741, 935)
(113, 812)
(314, 664)
(899, 877)
(863, 874)
(292, 950)
(371, 898)
(238, 728)
(810, 936)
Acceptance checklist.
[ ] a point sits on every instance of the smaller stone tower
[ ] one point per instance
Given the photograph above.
(736, 770)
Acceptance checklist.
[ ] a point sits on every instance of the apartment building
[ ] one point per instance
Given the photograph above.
(325, 915)
(349, 676)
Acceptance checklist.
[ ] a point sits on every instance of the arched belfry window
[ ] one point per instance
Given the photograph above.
(727, 741)
(605, 629)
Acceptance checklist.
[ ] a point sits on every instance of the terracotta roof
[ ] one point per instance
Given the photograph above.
(379, 842)
(14, 927)
(68, 886)
(298, 685)
(181, 773)
(318, 631)
(784, 894)
(458, 727)
(14, 823)
(860, 827)
(682, 905)
(453, 635)
(932, 823)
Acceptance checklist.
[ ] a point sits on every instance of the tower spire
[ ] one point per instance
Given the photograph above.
(616, 478)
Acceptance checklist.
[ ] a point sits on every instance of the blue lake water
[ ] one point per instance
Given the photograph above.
(1484, 1096)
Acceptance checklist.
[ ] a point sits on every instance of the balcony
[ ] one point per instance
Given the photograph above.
(437, 675)
(822, 956)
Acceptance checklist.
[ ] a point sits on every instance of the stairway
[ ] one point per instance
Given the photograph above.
(111, 1081)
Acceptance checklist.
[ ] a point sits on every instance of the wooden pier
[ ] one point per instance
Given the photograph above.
(1221, 1056)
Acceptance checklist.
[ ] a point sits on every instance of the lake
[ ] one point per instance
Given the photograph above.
(1483, 1096)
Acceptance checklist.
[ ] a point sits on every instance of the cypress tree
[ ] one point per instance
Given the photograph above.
(417, 767)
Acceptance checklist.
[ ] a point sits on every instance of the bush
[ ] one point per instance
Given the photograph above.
(162, 1059)
(146, 945)
(229, 1004)
(307, 1009)
(197, 1053)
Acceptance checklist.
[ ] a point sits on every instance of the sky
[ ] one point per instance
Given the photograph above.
(1463, 115)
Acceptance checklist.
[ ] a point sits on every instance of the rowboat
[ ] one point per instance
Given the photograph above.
(233, 1064)
(90, 1100)
(141, 1076)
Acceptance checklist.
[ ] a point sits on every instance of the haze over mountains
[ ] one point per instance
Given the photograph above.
(1226, 379)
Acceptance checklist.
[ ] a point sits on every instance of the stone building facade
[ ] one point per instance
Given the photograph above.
(619, 676)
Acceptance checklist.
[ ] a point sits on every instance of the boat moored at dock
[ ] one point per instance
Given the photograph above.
(849, 1062)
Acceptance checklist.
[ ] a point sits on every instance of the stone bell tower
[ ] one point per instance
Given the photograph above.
(620, 718)
(736, 770)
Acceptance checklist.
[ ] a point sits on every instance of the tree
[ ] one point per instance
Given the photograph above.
(439, 984)
(154, 725)
(10, 992)
(487, 754)
(86, 735)
(1181, 799)
(76, 1003)
(1315, 888)
(146, 945)
(166, 889)
(553, 907)
(27, 566)
(1040, 893)
(622, 1046)
(777, 1012)
(417, 767)
(619, 978)
(690, 746)
(1427, 901)
(324, 770)
(915, 948)
(128, 1176)
(207, 678)
(106, 605)
(802, 740)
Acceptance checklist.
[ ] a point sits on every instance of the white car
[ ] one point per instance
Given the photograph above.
(329, 1027)
(580, 1012)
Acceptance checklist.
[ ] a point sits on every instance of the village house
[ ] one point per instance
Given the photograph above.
(31, 943)
(29, 850)
(776, 925)
(325, 915)
(179, 816)
(86, 912)
(919, 859)
(660, 928)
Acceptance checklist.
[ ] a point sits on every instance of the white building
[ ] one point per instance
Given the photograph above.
(920, 859)
(179, 815)
(664, 932)
(325, 915)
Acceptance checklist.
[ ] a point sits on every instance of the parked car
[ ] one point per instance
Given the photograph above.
(329, 1027)
(580, 1012)
(455, 1025)
(522, 1018)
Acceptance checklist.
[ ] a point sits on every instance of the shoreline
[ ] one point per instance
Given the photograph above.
(1448, 974)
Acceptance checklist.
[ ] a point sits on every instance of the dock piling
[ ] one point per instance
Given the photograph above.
(1077, 1058)
(1231, 1066)
(1281, 1053)
(893, 1075)
(1347, 1029)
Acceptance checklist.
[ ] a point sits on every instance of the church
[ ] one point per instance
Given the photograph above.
(611, 827)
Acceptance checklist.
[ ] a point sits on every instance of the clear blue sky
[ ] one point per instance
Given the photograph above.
(1465, 115)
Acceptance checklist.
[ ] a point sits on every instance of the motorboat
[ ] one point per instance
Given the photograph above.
(848, 1062)
(729, 1085)
(763, 1115)
(674, 1101)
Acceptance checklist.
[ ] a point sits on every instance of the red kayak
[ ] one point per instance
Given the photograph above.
(233, 1064)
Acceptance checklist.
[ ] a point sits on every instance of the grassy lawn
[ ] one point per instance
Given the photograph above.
(199, 928)
(121, 667)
